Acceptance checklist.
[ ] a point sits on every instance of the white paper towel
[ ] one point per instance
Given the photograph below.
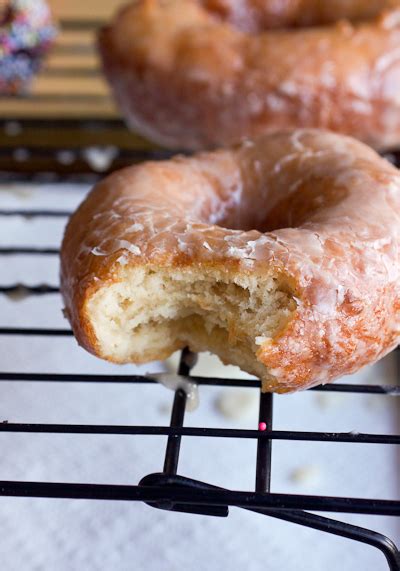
(44, 535)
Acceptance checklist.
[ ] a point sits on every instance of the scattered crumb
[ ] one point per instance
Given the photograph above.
(17, 191)
(174, 382)
(18, 294)
(100, 158)
(21, 155)
(12, 128)
(164, 408)
(377, 402)
(237, 404)
(66, 157)
(330, 400)
(309, 475)
(354, 433)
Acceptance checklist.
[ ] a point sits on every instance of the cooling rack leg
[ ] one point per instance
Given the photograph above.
(177, 416)
(174, 442)
(264, 446)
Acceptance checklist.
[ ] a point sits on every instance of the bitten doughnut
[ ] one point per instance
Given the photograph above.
(185, 78)
(281, 256)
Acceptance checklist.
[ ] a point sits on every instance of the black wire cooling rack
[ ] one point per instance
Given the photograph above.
(50, 149)
(168, 489)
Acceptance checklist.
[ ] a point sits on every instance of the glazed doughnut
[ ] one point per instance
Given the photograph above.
(258, 15)
(186, 79)
(280, 256)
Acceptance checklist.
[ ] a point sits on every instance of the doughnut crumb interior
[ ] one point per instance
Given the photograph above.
(151, 312)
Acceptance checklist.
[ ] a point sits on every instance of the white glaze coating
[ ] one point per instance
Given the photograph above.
(175, 382)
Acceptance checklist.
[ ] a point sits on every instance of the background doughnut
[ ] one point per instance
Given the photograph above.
(186, 79)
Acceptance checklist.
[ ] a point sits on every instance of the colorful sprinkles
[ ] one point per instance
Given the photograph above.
(26, 33)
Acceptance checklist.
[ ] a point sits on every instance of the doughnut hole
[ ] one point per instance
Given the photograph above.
(152, 312)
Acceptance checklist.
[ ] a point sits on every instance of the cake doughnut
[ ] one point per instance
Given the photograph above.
(281, 256)
(186, 79)
(26, 33)
(257, 15)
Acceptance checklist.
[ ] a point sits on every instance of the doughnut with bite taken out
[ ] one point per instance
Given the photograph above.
(281, 256)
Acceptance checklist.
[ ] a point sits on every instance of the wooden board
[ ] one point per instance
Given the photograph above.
(69, 107)
(85, 9)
